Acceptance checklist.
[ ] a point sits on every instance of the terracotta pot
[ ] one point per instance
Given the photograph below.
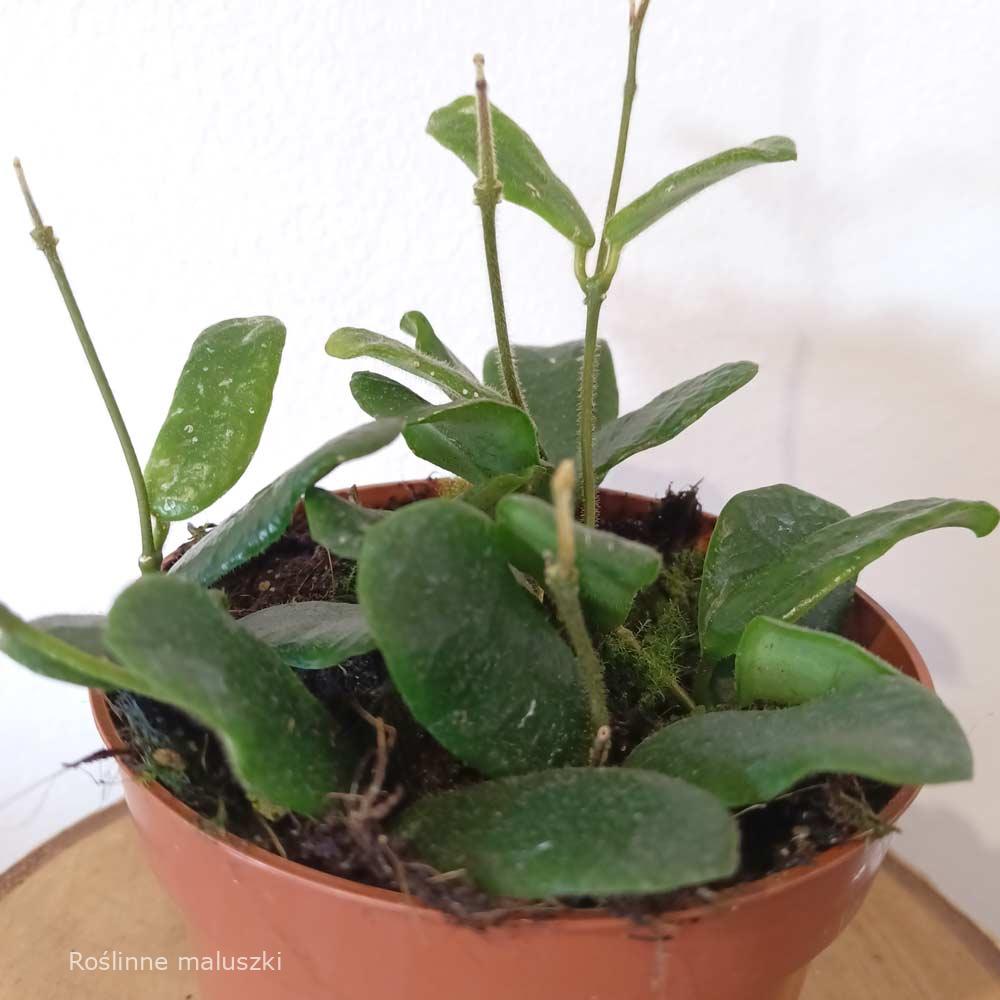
(339, 940)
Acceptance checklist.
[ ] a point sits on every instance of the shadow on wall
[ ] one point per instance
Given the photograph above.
(864, 408)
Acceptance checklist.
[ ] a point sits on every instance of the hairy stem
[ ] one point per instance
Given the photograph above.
(46, 241)
(487, 191)
(562, 583)
(607, 262)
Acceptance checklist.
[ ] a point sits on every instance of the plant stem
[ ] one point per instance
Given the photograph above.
(596, 287)
(562, 581)
(487, 190)
(46, 241)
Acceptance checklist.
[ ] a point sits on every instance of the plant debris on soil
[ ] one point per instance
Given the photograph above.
(406, 762)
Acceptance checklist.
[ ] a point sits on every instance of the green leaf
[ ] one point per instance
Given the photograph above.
(576, 832)
(216, 417)
(262, 521)
(339, 525)
(786, 664)
(797, 580)
(676, 188)
(527, 179)
(64, 647)
(470, 650)
(486, 495)
(754, 529)
(312, 635)
(889, 729)
(665, 416)
(476, 440)
(550, 381)
(280, 741)
(612, 570)
(427, 342)
(351, 342)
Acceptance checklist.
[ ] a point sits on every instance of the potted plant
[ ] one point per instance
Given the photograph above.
(502, 734)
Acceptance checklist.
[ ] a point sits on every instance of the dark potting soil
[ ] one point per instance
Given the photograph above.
(170, 748)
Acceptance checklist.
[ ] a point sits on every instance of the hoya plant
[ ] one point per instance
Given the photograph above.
(522, 637)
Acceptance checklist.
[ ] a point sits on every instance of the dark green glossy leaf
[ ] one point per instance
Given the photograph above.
(576, 832)
(280, 741)
(754, 529)
(216, 417)
(65, 648)
(351, 342)
(427, 341)
(339, 525)
(795, 582)
(676, 188)
(312, 635)
(471, 652)
(264, 519)
(665, 416)
(786, 664)
(476, 440)
(612, 570)
(550, 381)
(889, 729)
(527, 179)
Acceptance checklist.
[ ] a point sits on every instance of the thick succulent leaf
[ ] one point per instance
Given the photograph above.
(263, 520)
(486, 495)
(65, 648)
(339, 525)
(527, 179)
(312, 635)
(469, 649)
(550, 382)
(351, 342)
(677, 187)
(754, 529)
(427, 341)
(804, 574)
(576, 832)
(280, 741)
(665, 416)
(889, 729)
(612, 570)
(476, 439)
(786, 664)
(216, 417)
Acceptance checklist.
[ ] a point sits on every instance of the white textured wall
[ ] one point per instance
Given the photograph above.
(201, 160)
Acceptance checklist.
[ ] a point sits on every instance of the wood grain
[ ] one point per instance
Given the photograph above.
(90, 890)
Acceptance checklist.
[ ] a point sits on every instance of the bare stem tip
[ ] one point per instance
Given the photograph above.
(36, 217)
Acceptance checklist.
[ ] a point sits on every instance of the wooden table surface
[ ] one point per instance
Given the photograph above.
(89, 890)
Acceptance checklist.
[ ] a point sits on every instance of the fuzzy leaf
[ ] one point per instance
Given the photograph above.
(678, 187)
(527, 179)
(665, 416)
(351, 342)
(427, 342)
(263, 520)
(280, 741)
(797, 580)
(889, 729)
(576, 832)
(756, 528)
(339, 525)
(216, 417)
(312, 635)
(471, 652)
(486, 495)
(65, 648)
(786, 664)
(477, 439)
(550, 380)
(612, 570)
